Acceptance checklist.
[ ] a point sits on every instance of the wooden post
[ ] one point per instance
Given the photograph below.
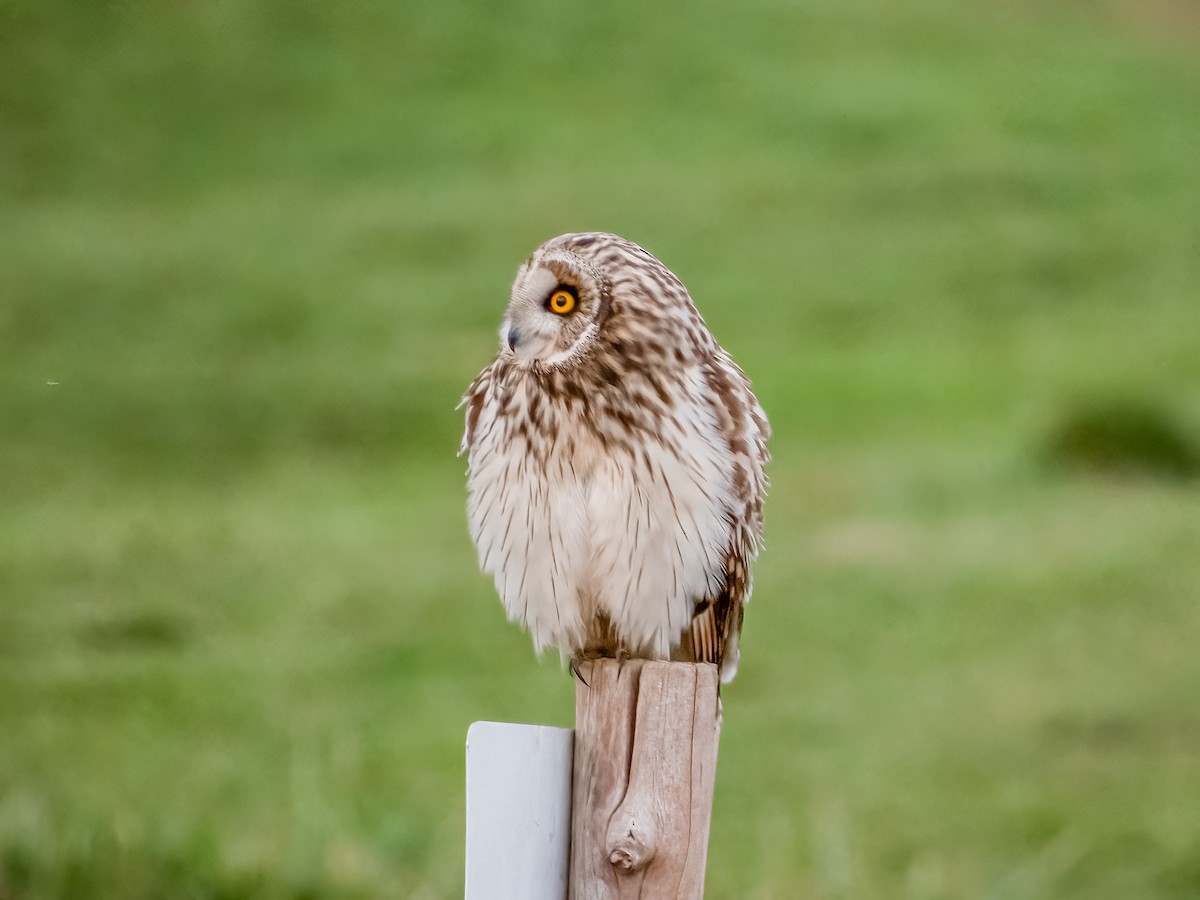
(645, 759)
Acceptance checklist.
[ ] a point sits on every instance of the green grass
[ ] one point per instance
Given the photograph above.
(252, 253)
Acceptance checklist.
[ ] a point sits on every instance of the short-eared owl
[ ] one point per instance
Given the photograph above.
(615, 461)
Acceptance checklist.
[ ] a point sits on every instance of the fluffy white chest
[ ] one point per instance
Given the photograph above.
(571, 525)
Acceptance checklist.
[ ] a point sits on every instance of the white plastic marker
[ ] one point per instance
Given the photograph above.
(518, 811)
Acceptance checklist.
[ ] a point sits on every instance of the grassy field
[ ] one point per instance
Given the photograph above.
(250, 255)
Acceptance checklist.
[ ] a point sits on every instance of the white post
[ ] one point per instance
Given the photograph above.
(518, 811)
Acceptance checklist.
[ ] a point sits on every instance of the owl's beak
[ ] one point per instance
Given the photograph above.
(512, 339)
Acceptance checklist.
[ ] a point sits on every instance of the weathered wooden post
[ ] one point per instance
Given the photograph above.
(646, 738)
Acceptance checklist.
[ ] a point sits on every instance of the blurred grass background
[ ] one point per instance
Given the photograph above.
(250, 255)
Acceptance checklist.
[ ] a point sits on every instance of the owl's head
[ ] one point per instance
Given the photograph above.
(579, 293)
(560, 298)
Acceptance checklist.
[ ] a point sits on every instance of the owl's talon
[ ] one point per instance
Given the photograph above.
(574, 666)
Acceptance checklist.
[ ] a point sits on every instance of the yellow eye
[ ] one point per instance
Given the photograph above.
(561, 302)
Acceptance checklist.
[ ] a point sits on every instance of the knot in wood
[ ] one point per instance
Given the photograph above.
(631, 852)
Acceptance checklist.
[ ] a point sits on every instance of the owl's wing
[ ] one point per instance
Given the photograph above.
(717, 621)
(716, 624)
(474, 400)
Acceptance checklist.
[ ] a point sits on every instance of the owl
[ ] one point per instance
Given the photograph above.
(615, 457)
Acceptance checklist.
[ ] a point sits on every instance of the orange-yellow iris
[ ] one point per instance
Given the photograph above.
(562, 302)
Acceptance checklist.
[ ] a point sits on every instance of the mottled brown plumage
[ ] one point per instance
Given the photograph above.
(615, 461)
